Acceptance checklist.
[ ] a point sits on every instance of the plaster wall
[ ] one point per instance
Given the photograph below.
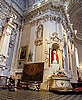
(29, 36)
(25, 35)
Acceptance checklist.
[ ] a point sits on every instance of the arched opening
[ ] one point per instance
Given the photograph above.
(54, 53)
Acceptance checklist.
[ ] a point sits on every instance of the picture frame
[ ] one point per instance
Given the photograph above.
(33, 72)
(23, 53)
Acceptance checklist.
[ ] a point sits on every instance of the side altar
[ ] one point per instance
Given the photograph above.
(49, 42)
(59, 82)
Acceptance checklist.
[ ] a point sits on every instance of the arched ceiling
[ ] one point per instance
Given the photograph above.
(75, 13)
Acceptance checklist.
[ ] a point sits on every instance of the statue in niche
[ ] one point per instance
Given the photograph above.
(40, 31)
(54, 56)
(39, 35)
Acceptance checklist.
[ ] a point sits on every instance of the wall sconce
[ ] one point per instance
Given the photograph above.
(75, 32)
(39, 4)
(46, 0)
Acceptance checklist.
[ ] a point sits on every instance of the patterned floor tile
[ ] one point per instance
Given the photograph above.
(36, 95)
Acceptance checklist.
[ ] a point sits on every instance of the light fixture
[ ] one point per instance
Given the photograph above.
(46, 0)
(39, 4)
(68, 15)
(75, 32)
(71, 24)
(66, 7)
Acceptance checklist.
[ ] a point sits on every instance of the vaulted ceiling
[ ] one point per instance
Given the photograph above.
(75, 12)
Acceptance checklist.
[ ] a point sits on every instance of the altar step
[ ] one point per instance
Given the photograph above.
(75, 85)
(77, 89)
(66, 92)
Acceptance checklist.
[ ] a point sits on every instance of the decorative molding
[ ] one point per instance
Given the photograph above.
(8, 9)
(45, 18)
(49, 6)
(2, 61)
(49, 11)
(38, 42)
(55, 38)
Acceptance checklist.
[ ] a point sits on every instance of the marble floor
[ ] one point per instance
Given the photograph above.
(36, 95)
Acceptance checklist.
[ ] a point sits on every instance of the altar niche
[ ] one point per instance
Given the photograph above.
(54, 54)
(39, 43)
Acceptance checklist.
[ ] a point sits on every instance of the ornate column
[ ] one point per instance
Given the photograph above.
(69, 58)
(15, 56)
(74, 68)
(16, 50)
(5, 45)
(4, 49)
(66, 60)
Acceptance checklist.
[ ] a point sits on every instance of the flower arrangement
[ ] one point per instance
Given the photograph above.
(60, 73)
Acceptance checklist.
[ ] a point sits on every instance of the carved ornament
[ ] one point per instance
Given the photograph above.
(38, 42)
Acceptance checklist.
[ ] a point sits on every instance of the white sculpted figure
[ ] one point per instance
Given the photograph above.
(54, 57)
(54, 61)
(40, 31)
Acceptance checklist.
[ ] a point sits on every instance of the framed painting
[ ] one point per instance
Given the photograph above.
(33, 72)
(23, 53)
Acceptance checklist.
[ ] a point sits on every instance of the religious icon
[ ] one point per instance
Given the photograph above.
(23, 52)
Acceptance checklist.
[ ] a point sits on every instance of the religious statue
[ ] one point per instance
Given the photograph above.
(54, 56)
(39, 35)
(40, 31)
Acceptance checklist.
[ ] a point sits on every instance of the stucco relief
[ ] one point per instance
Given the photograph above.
(45, 18)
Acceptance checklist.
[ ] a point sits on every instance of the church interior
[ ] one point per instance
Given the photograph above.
(41, 42)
